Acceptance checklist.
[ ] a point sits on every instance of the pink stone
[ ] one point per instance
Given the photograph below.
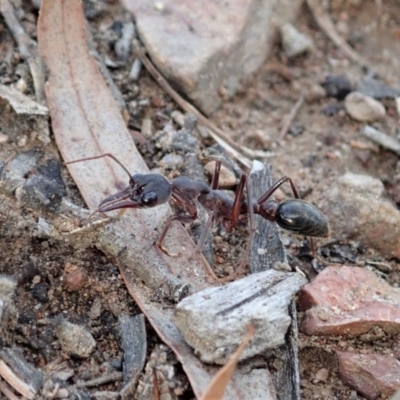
(349, 301)
(369, 374)
(322, 375)
(205, 47)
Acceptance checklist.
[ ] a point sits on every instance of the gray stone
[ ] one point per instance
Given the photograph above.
(214, 321)
(205, 48)
(20, 115)
(13, 174)
(376, 88)
(75, 340)
(294, 42)
(44, 190)
(8, 284)
(356, 209)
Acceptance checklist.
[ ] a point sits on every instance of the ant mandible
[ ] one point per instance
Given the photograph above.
(151, 190)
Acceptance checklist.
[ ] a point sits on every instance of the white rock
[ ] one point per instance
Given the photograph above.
(214, 321)
(363, 108)
(294, 42)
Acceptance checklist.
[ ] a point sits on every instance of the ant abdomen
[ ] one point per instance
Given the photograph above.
(302, 218)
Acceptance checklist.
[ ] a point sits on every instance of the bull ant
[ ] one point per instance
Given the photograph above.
(151, 190)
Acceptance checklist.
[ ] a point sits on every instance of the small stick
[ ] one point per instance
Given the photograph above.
(7, 392)
(16, 382)
(214, 130)
(289, 119)
(381, 138)
(101, 380)
(325, 23)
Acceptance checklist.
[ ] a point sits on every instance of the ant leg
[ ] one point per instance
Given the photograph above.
(181, 218)
(191, 209)
(101, 156)
(263, 198)
(203, 235)
(211, 216)
(215, 178)
(252, 229)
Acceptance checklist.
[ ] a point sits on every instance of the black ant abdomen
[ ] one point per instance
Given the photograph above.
(302, 218)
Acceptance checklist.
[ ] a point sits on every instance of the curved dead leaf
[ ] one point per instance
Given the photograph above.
(217, 387)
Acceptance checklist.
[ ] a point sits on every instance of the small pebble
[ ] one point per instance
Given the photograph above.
(22, 141)
(147, 128)
(337, 86)
(136, 69)
(178, 117)
(294, 42)
(3, 138)
(322, 375)
(74, 277)
(364, 108)
(21, 85)
(62, 393)
(75, 340)
(315, 93)
(171, 161)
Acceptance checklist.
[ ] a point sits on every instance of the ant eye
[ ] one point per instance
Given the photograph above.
(149, 199)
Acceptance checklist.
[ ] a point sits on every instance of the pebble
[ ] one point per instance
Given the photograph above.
(201, 57)
(74, 277)
(356, 208)
(376, 88)
(122, 46)
(8, 284)
(349, 301)
(178, 117)
(3, 138)
(75, 340)
(136, 69)
(295, 42)
(322, 375)
(314, 93)
(372, 375)
(44, 189)
(337, 86)
(171, 161)
(214, 321)
(364, 108)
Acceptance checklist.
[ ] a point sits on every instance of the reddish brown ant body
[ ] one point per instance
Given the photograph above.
(152, 190)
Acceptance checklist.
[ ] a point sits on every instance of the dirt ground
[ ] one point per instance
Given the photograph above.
(318, 149)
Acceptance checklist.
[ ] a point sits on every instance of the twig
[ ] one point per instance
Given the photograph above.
(289, 119)
(381, 138)
(7, 392)
(223, 139)
(101, 380)
(27, 47)
(17, 383)
(325, 23)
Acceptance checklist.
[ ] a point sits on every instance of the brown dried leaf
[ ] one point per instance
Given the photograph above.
(86, 122)
(217, 387)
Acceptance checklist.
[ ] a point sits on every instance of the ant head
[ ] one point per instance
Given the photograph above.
(149, 190)
(302, 218)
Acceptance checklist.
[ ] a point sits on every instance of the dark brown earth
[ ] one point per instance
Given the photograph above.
(325, 148)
